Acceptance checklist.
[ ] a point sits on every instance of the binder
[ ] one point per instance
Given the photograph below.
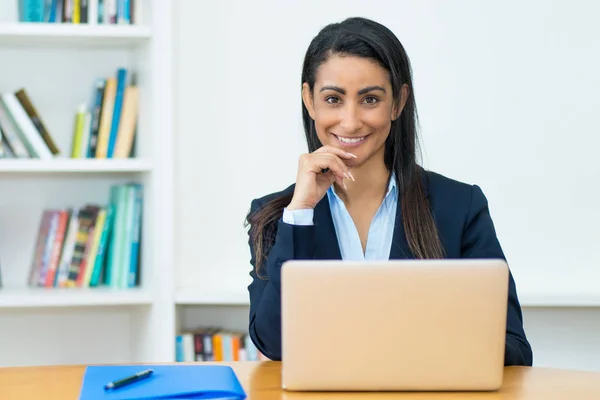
(186, 381)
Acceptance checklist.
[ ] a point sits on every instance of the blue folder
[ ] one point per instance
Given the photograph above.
(168, 382)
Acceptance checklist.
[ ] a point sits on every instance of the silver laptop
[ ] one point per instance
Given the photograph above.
(410, 325)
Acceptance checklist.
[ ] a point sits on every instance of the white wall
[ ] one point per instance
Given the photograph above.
(507, 94)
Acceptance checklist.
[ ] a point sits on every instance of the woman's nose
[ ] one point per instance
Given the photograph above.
(350, 119)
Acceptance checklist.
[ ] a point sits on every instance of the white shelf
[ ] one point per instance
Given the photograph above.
(72, 165)
(563, 299)
(19, 34)
(199, 297)
(72, 297)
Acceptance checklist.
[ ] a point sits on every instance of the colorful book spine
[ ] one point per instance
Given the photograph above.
(57, 246)
(31, 111)
(108, 103)
(128, 123)
(40, 246)
(94, 245)
(68, 249)
(136, 224)
(31, 10)
(91, 245)
(124, 12)
(124, 257)
(215, 344)
(96, 110)
(116, 115)
(123, 17)
(52, 12)
(78, 132)
(102, 247)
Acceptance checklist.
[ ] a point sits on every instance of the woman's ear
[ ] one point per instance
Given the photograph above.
(398, 107)
(307, 99)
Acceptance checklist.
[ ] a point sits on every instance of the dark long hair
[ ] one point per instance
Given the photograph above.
(365, 38)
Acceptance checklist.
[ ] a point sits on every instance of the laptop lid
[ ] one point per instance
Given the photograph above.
(393, 325)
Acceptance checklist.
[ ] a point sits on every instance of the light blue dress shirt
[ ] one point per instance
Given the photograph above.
(381, 231)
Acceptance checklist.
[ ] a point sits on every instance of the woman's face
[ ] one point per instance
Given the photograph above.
(352, 106)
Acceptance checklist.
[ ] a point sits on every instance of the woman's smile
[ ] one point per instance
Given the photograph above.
(349, 141)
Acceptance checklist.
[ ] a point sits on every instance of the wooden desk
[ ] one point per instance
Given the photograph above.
(262, 382)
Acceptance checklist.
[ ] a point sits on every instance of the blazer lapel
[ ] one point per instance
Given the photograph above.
(326, 241)
(399, 248)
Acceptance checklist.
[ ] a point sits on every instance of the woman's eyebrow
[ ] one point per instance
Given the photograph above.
(360, 92)
(334, 88)
(370, 89)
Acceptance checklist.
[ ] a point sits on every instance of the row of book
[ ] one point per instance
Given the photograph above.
(215, 344)
(122, 12)
(91, 245)
(107, 127)
(104, 127)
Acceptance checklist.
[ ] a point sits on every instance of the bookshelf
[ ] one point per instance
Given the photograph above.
(74, 165)
(188, 297)
(560, 298)
(58, 64)
(97, 297)
(42, 35)
(564, 298)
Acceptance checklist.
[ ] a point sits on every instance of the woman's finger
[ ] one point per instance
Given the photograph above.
(335, 150)
(330, 163)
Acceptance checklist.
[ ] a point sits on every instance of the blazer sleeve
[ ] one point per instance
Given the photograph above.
(480, 241)
(291, 242)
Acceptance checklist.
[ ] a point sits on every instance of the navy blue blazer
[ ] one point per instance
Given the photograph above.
(466, 231)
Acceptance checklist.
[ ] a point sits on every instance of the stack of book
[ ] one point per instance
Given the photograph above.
(215, 344)
(91, 245)
(104, 127)
(122, 12)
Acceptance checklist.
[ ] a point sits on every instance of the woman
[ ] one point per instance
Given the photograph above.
(359, 192)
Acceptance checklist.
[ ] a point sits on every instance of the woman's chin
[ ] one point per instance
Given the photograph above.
(354, 162)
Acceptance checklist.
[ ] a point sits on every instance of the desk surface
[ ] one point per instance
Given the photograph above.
(261, 380)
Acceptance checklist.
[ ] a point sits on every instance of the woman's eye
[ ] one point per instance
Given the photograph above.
(371, 100)
(332, 100)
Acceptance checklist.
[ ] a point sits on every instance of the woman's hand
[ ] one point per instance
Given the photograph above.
(317, 171)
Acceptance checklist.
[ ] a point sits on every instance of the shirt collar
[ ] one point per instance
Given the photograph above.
(392, 189)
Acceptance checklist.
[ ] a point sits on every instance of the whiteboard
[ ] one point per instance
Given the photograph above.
(507, 93)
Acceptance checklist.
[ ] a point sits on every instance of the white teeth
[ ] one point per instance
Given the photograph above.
(347, 140)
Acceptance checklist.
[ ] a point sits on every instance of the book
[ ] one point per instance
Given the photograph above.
(105, 126)
(212, 343)
(28, 132)
(11, 134)
(123, 12)
(1, 144)
(31, 111)
(166, 382)
(121, 80)
(31, 10)
(91, 245)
